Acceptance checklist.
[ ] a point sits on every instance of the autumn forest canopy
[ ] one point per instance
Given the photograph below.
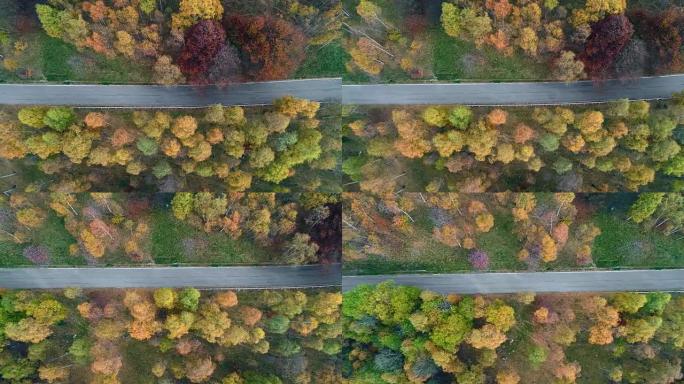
(303, 182)
(400, 334)
(165, 42)
(512, 40)
(224, 41)
(293, 142)
(170, 335)
(184, 228)
(451, 232)
(618, 146)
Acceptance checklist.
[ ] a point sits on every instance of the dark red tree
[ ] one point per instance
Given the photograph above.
(661, 33)
(202, 42)
(607, 38)
(272, 47)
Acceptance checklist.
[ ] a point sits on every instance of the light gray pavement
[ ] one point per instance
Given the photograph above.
(94, 95)
(274, 277)
(519, 93)
(580, 281)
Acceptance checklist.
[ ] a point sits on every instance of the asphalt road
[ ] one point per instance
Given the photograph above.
(93, 95)
(522, 93)
(273, 277)
(332, 90)
(581, 281)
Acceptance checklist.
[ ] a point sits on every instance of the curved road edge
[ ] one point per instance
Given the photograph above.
(238, 277)
(671, 280)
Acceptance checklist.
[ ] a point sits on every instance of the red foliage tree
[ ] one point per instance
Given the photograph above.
(607, 38)
(202, 42)
(274, 48)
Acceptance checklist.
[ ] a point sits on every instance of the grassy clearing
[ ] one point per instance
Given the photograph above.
(502, 245)
(326, 61)
(55, 55)
(170, 242)
(622, 244)
(422, 253)
(53, 236)
(173, 242)
(626, 244)
(61, 61)
(456, 59)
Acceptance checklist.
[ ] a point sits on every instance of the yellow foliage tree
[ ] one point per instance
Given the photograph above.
(191, 11)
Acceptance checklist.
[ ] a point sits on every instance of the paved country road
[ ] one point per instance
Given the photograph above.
(523, 93)
(332, 90)
(307, 276)
(93, 95)
(580, 281)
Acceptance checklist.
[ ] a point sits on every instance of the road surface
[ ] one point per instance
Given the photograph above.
(308, 276)
(522, 93)
(332, 90)
(94, 95)
(580, 281)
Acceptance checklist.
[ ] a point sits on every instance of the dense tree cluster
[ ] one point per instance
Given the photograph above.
(396, 334)
(593, 38)
(663, 212)
(103, 227)
(546, 227)
(178, 334)
(261, 216)
(616, 146)
(230, 148)
(375, 44)
(198, 41)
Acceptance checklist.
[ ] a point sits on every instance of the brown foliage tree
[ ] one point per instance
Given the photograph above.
(607, 39)
(273, 47)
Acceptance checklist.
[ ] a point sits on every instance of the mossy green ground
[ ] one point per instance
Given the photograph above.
(626, 244)
(52, 235)
(622, 244)
(59, 61)
(456, 59)
(326, 61)
(62, 61)
(169, 235)
(170, 242)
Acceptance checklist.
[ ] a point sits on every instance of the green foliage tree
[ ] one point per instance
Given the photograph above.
(147, 146)
(460, 116)
(628, 302)
(188, 299)
(59, 118)
(645, 205)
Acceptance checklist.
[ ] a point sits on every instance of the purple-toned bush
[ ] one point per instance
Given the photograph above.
(479, 259)
(37, 254)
